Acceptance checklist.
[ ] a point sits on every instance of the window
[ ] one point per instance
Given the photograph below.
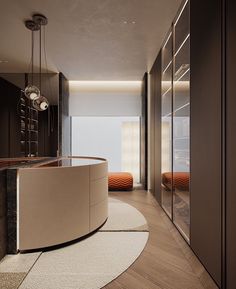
(115, 138)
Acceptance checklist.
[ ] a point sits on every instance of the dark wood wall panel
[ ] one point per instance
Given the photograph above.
(205, 85)
(48, 132)
(15, 137)
(4, 123)
(64, 118)
(152, 133)
(157, 118)
(9, 147)
(231, 145)
(155, 155)
(9, 119)
(3, 214)
(144, 133)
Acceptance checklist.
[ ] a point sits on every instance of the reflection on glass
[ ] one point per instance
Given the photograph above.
(72, 162)
(166, 127)
(181, 26)
(181, 124)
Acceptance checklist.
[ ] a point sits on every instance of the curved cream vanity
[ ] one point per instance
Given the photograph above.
(60, 200)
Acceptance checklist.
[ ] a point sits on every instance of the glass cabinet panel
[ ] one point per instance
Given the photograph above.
(181, 26)
(166, 126)
(175, 123)
(181, 124)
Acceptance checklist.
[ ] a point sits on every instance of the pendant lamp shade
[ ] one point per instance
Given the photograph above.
(41, 103)
(32, 92)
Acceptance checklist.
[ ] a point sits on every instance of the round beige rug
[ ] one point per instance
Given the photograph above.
(90, 263)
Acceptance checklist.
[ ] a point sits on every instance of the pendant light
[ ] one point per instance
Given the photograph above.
(32, 92)
(41, 104)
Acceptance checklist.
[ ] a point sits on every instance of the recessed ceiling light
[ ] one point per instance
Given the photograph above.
(129, 22)
(3, 61)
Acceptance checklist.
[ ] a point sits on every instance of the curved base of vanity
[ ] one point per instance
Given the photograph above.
(58, 204)
(68, 243)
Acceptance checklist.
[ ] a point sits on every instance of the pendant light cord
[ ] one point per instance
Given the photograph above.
(50, 120)
(40, 57)
(32, 58)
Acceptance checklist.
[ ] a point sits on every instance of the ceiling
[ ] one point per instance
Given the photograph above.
(88, 39)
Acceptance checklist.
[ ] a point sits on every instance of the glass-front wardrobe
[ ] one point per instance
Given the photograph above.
(175, 122)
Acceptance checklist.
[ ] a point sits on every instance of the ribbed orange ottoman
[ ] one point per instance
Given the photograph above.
(120, 181)
(180, 180)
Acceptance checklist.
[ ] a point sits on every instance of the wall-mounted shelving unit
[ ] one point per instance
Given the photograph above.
(29, 128)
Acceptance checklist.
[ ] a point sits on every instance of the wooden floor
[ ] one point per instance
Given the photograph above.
(167, 261)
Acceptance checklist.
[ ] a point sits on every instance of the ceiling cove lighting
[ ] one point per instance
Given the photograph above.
(111, 83)
(32, 92)
(105, 86)
(129, 22)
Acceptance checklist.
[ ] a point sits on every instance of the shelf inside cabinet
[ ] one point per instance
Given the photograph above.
(28, 128)
(31, 119)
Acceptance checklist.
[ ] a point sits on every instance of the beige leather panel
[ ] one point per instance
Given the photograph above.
(98, 171)
(98, 214)
(98, 190)
(53, 205)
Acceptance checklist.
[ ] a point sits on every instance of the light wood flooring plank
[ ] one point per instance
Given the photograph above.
(167, 262)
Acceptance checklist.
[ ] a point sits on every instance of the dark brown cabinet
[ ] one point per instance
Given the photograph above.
(64, 117)
(29, 127)
(212, 143)
(25, 131)
(155, 128)
(48, 132)
(230, 147)
(9, 119)
(206, 134)
(144, 132)
(167, 124)
(175, 122)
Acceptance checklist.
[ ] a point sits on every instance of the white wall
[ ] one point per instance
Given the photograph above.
(105, 98)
